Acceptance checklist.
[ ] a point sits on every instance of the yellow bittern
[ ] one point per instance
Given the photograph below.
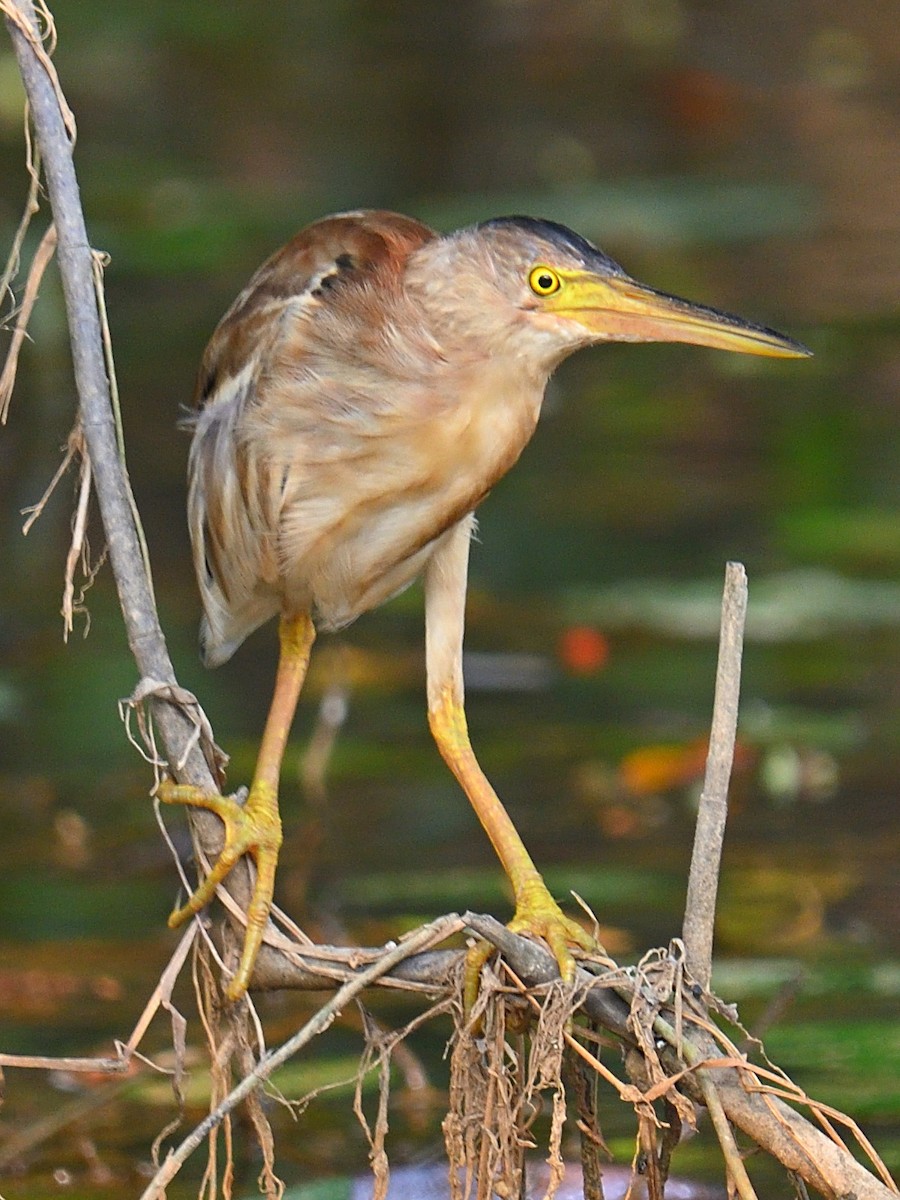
(356, 403)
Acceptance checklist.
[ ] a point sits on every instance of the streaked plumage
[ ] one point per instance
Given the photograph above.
(365, 391)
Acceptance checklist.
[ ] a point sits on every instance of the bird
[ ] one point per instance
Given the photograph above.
(359, 399)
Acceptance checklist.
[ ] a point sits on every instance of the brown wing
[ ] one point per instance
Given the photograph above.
(234, 493)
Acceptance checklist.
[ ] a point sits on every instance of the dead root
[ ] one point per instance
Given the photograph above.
(532, 1050)
(506, 1066)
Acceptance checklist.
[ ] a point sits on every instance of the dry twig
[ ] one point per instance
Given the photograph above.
(421, 939)
(703, 881)
(42, 257)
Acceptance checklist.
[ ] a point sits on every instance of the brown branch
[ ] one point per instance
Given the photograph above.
(703, 881)
(769, 1120)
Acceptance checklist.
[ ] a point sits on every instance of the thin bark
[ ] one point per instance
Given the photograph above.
(145, 636)
(709, 833)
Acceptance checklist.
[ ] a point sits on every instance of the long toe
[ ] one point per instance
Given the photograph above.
(540, 916)
(265, 855)
(254, 829)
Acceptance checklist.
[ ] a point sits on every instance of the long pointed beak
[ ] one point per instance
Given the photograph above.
(618, 308)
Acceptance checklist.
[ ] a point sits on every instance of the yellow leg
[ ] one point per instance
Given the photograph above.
(253, 828)
(537, 913)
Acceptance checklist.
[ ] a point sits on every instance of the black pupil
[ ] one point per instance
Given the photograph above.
(545, 282)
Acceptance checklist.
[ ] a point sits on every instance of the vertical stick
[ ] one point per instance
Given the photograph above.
(709, 834)
(145, 637)
(49, 113)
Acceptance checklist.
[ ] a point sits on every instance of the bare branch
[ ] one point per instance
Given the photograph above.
(703, 881)
(72, 450)
(54, 134)
(76, 267)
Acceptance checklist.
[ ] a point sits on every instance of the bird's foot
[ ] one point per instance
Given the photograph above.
(252, 828)
(537, 915)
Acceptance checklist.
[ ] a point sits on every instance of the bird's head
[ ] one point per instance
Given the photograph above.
(536, 289)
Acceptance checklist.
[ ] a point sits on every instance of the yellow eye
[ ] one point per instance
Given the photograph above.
(544, 281)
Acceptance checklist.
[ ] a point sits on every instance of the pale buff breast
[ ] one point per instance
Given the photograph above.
(362, 512)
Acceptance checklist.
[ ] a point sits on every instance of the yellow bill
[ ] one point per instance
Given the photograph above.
(618, 308)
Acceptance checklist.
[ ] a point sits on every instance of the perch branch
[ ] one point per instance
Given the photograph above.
(773, 1124)
(709, 834)
(51, 120)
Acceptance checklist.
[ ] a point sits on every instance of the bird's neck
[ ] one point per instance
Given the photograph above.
(486, 414)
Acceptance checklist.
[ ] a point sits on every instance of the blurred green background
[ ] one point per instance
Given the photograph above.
(745, 154)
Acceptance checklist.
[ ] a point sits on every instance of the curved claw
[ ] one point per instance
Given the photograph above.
(252, 828)
(537, 915)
